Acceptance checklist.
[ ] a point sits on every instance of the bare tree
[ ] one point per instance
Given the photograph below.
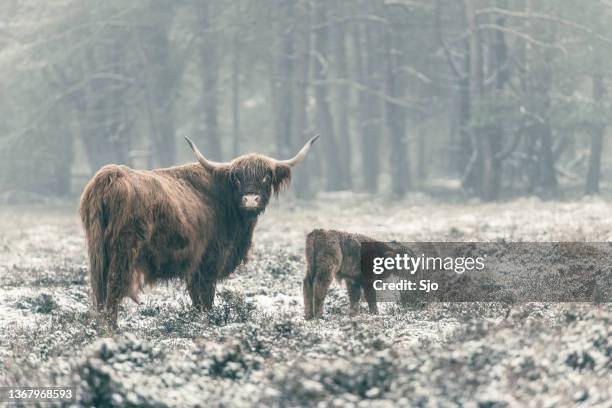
(367, 66)
(596, 139)
(342, 100)
(210, 63)
(395, 59)
(335, 179)
(302, 184)
(283, 87)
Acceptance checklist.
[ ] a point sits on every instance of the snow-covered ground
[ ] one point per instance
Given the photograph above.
(254, 348)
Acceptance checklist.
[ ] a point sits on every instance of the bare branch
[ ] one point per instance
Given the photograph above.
(368, 18)
(447, 53)
(504, 154)
(546, 17)
(414, 106)
(523, 36)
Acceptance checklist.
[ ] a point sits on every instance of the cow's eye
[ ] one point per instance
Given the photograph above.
(237, 183)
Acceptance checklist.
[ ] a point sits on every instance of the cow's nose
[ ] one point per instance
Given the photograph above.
(251, 200)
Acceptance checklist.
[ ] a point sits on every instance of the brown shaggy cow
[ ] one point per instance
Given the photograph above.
(336, 254)
(194, 222)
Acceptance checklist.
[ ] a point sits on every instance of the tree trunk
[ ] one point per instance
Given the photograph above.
(539, 89)
(396, 115)
(101, 110)
(594, 165)
(236, 94)
(342, 97)
(366, 67)
(546, 184)
(548, 177)
(162, 82)
(465, 147)
(484, 174)
(61, 134)
(62, 154)
(422, 159)
(282, 81)
(166, 142)
(334, 177)
(474, 177)
(300, 95)
(210, 84)
(460, 151)
(499, 54)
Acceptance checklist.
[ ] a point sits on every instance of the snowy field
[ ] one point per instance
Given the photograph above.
(255, 349)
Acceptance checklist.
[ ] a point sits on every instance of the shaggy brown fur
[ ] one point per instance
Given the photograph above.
(187, 222)
(336, 254)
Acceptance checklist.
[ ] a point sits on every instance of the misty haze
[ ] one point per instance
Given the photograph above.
(162, 163)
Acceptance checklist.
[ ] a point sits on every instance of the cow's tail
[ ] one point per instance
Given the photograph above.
(94, 222)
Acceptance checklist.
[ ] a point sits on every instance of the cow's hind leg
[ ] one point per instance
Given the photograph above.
(120, 275)
(354, 293)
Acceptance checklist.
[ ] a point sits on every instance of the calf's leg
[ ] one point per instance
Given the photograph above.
(321, 284)
(370, 295)
(354, 293)
(307, 288)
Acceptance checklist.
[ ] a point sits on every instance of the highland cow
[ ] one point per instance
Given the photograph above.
(194, 222)
(336, 255)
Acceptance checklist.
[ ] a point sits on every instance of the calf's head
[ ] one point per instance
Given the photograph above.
(252, 178)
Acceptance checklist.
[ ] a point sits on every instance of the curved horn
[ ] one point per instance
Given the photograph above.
(301, 154)
(207, 164)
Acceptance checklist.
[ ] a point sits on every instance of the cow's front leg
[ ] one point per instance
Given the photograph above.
(208, 294)
(202, 290)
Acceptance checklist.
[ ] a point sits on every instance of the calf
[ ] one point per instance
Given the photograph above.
(336, 254)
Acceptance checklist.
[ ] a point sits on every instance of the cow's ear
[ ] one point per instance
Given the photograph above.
(282, 177)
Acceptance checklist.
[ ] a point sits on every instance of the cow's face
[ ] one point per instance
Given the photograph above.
(254, 178)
